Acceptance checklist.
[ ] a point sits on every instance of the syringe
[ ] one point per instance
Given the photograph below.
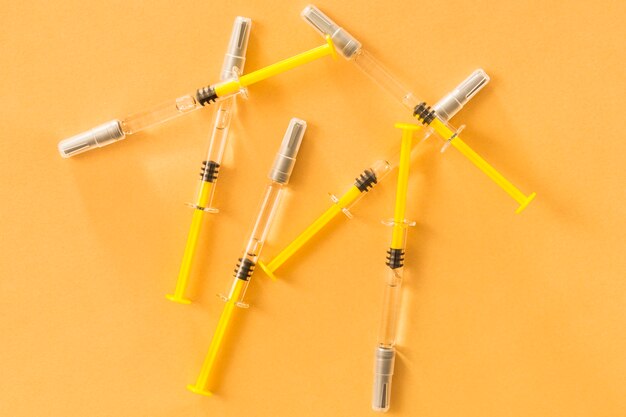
(116, 130)
(233, 65)
(351, 49)
(452, 103)
(279, 177)
(385, 351)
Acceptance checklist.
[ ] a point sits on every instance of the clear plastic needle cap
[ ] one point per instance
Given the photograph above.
(286, 156)
(346, 44)
(450, 105)
(236, 54)
(383, 372)
(98, 137)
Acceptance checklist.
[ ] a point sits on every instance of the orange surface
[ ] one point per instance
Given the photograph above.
(505, 315)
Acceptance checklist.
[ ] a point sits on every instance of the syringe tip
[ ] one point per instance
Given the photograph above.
(286, 156)
(450, 105)
(346, 44)
(237, 47)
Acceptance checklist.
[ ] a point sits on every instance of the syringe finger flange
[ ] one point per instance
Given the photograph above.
(211, 210)
(343, 209)
(239, 304)
(447, 143)
(404, 223)
(234, 75)
(243, 91)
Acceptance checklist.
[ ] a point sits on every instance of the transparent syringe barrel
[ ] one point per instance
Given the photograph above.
(363, 183)
(391, 307)
(380, 168)
(160, 113)
(213, 161)
(381, 76)
(219, 132)
(393, 284)
(350, 48)
(247, 262)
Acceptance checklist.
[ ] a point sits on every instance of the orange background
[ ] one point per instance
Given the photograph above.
(504, 315)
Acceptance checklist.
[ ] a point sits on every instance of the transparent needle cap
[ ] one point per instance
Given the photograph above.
(346, 44)
(97, 137)
(450, 105)
(383, 372)
(286, 156)
(236, 54)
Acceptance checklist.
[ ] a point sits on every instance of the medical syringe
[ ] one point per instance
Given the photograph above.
(233, 65)
(351, 49)
(279, 177)
(453, 102)
(385, 351)
(116, 130)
